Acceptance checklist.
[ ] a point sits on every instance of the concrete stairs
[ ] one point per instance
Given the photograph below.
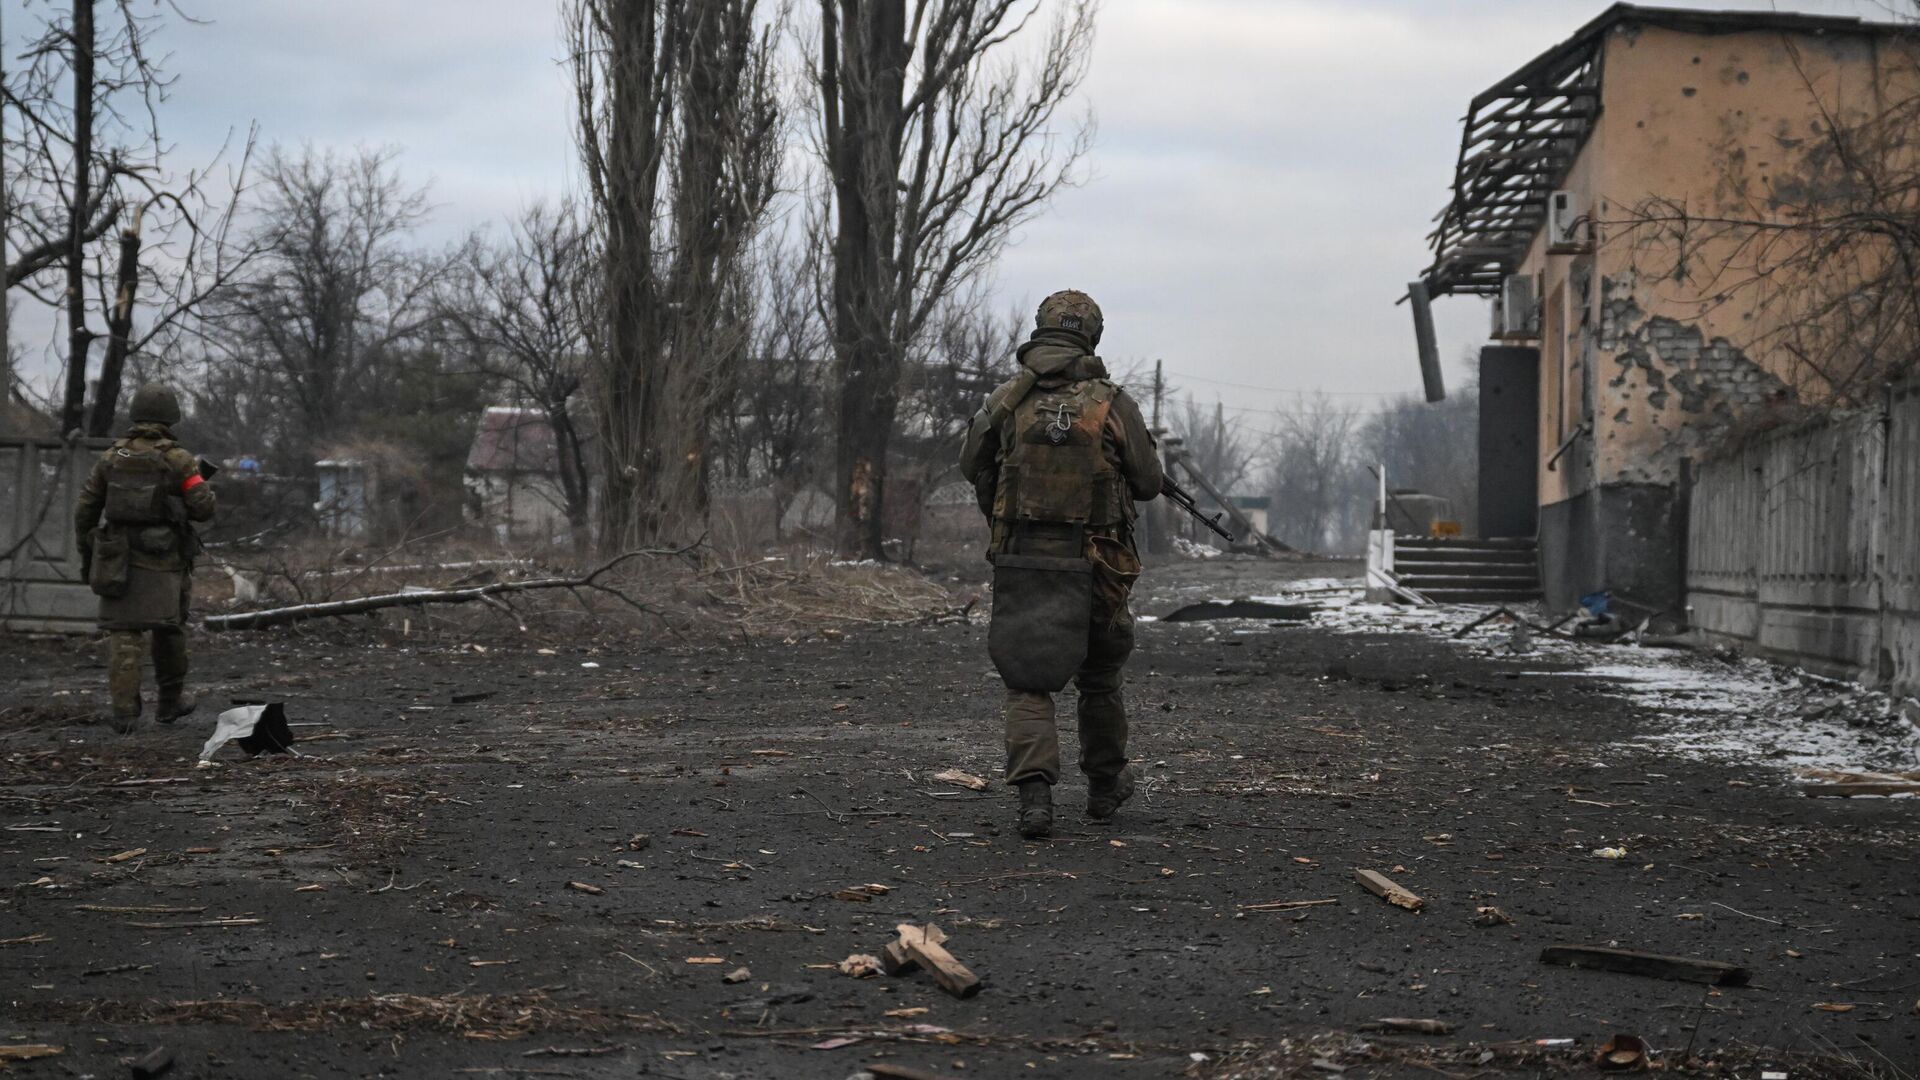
(1469, 571)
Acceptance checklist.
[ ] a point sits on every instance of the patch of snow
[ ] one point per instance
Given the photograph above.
(1698, 704)
(1188, 549)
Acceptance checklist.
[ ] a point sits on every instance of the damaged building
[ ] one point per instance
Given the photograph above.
(1585, 199)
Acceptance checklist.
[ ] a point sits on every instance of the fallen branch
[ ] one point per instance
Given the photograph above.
(259, 620)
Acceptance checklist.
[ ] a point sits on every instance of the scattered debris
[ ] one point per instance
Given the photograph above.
(896, 960)
(900, 1072)
(153, 1063)
(259, 729)
(961, 779)
(1622, 1052)
(1286, 905)
(1844, 784)
(1418, 1027)
(1610, 853)
(1491, 917)
(928, 950)
(737, 975)
(1833, 1006)
(860, 966)
(706, 959)
(131, 853)
(590, 890)
(639, 842)
(1386, 889)
(28, 1051)
(1653, 965)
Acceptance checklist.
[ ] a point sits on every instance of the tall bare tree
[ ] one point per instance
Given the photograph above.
(89, 154)
(679, 129)
(1317, 483)
(337, 287)
(939, 138)
(516, 307)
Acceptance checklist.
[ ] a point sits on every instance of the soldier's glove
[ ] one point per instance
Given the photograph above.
(86, 562)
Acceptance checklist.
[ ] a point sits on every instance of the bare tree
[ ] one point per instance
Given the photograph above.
(1317, 485)
(337, 286)
(516, 307)
(782, 395)
(969, 350)
(679, 130)
(938, 141)
(1430, 448)
(89, 155)
(1222, 452)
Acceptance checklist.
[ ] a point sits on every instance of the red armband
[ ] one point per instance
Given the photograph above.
(192, 482)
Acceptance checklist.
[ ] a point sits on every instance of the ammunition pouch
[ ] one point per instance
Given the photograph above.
(160, 541)
(111, 563)
(1042, 608)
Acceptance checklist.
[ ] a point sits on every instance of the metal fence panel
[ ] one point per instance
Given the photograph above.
(40, 585)
(1802, 544)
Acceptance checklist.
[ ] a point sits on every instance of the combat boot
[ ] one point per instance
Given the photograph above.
(1105, 796)
(126, 715)
(174, 703)
(1036, 809)
(170, 671)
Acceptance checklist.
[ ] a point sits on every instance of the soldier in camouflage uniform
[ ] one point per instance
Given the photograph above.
(138, 548)
(1058, 456)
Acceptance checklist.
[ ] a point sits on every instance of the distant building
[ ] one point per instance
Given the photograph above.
(513, 476)
(1619, 353)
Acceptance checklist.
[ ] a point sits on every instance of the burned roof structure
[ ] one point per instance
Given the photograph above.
(1522, 134)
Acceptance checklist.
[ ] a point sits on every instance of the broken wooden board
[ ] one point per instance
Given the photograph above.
(1861, 787)
(895, 960)
(951, 974)
(1387, 889)
(1652, 965)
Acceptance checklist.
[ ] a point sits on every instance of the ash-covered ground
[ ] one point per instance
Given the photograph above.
(534, 856)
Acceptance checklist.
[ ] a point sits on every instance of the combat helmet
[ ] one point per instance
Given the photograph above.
(1070, 309)
(154, 404)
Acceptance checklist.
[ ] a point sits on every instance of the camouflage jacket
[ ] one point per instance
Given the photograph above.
(191, 498)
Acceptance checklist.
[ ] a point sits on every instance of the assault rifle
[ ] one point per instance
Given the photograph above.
(1178, 496)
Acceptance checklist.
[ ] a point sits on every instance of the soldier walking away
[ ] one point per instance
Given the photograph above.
(137, 548)
(1058, 456)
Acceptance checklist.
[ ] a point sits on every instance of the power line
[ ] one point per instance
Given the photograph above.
(1290, 390)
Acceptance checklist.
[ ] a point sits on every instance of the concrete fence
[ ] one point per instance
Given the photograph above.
(1804, 545)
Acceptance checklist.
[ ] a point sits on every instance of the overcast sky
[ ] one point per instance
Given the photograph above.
(1264, 178)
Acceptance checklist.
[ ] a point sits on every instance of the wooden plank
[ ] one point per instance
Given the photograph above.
(1861, 787)
(1652, 965)
(900, 1072)
(951, 974)
(1386, 889)
(896, 960)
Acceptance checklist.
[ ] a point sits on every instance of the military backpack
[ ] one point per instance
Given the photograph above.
(139, 483)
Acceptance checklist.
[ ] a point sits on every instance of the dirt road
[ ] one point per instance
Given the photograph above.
(402, 901)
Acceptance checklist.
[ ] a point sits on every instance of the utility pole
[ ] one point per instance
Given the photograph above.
(1160, 523)
(1159, 387)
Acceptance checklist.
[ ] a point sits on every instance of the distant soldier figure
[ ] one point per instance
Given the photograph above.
(1058, 456)
(138, 550)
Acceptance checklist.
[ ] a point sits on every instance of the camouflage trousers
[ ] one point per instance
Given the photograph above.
(1033, 736)
(125, 650)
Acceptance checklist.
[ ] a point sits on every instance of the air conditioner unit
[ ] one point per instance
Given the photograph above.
(1517, 309)
(1569, 227)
